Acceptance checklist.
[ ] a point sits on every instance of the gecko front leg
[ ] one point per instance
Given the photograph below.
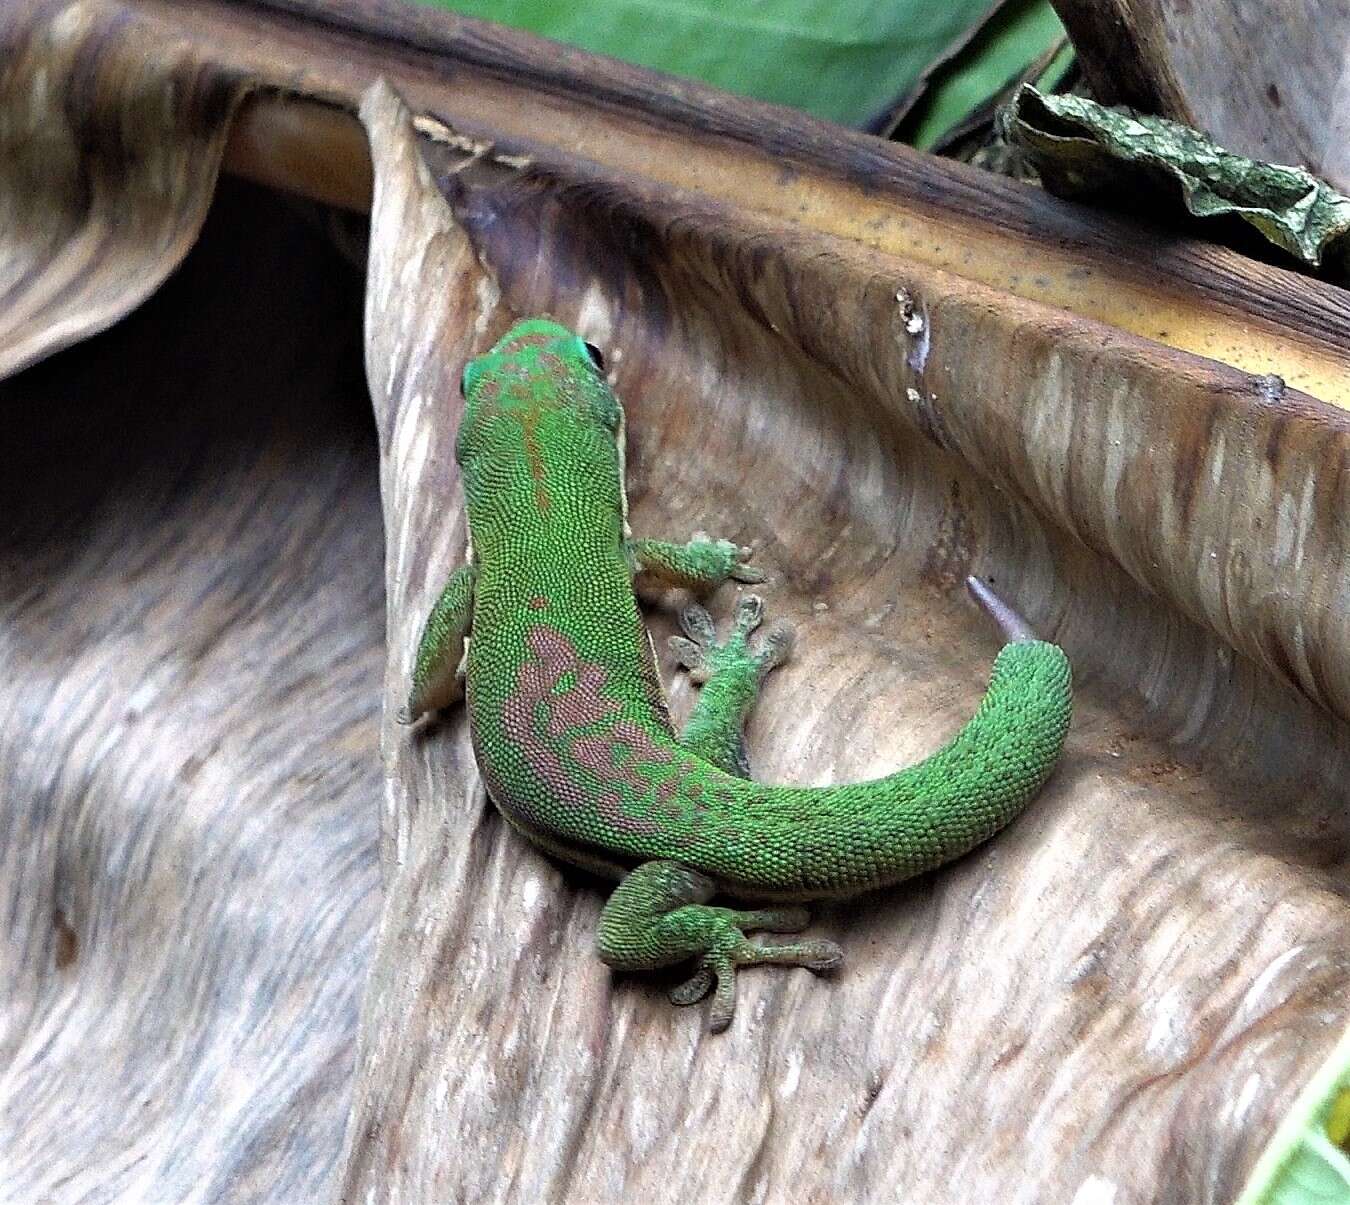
(438, 671)
(699, 565)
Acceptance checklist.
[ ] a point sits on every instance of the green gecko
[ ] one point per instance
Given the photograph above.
(540, 632)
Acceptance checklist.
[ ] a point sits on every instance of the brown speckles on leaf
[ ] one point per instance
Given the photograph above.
(948, 559)
(67, 943)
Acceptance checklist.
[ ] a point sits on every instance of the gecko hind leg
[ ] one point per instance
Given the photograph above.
(659, 916)
(730, 673)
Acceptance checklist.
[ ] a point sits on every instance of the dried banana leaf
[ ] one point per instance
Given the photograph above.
(1119, 998)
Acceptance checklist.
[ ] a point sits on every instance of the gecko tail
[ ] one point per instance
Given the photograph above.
(880, 832)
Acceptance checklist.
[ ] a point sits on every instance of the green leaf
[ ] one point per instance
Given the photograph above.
(845, 60)
(1014, 37)
(1305, 1162)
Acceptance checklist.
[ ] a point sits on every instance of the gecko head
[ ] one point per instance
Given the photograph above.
(539, 400)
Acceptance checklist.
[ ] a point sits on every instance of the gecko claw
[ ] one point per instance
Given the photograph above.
(743, 572)
(691, 649)
(695, 988)
(700, 652)
(698, 625)
(824, 957)
(717, 969)
(737, 556)
(749, 614)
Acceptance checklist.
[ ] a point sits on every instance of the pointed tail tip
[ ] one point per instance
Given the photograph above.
(1015, 629)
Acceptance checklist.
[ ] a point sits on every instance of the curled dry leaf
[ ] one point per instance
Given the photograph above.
(1274, 90)
(1123, 993)
(1081, 148)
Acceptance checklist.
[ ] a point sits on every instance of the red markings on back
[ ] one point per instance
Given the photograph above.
(534, 456)
(581, 725)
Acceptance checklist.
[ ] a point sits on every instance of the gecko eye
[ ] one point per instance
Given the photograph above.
(597, 358)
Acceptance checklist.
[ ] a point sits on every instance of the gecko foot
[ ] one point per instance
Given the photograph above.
(717, 969)
(735, 557)
(659, 916)
(700, 652)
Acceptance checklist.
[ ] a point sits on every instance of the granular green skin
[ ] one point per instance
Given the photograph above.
(570, 726)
